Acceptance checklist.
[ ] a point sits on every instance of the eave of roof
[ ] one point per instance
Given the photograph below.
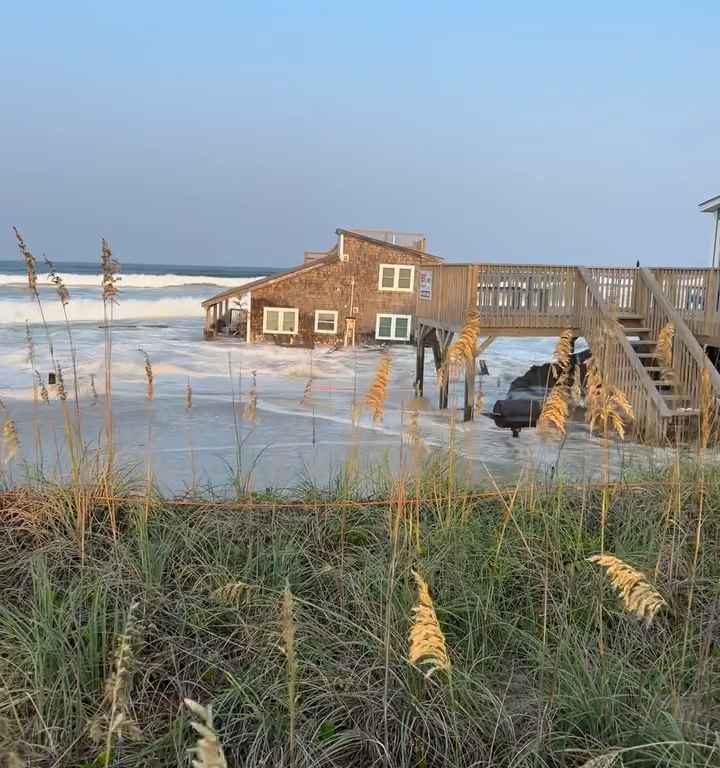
(711, 205)
(242, 289)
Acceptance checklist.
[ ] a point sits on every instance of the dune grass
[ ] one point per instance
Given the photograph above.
(293, 659)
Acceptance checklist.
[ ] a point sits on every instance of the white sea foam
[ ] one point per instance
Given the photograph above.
(91, 310)
(134, 280)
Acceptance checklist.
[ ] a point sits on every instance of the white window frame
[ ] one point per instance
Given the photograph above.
(393, 334)
(332, 312)
(280, 309)
(396, 277)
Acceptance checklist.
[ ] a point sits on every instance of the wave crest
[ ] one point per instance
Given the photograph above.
(170, 280)
(91, 310)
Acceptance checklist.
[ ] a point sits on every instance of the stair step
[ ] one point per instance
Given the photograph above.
(632, 331)
(654, 367)
(646, 354)
(686, 412)
(643, 343)
(666, 383)
(675, 397)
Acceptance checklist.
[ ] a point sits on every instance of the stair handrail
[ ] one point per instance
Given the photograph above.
(619, 334)
(682, 331)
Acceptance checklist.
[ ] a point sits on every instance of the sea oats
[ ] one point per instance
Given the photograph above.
(44, 396)
(10, 440)
(463, 348)
(605, 760)
(576, 386)
(57, 281)
(378, 391)
(413, 435)
(639, 596)
(60, 383)
(30, 345)
(664, 349)
(149, 377)
(231, 593)
(115, 719)
(288, 631)
(562, 356)
(426, 641)
(607, 405)
(30, 261)
(554, 414)
(250, 410)
(708, 410)
(208, 751)
(307, 393)
(110, 269)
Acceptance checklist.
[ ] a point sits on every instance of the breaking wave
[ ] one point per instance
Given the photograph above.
(83, 310)
(134, 280)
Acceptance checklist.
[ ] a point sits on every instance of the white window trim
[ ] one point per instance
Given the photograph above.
(393, 336)
(332, 312)
(280, 309)
(396, 272)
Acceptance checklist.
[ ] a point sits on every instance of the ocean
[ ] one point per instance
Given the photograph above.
(293, 438)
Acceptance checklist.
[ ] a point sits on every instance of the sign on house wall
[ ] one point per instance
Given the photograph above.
(426, 284)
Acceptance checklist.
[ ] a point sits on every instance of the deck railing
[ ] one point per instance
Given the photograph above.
(526, 296)
(688, 357)
(693, 294)
(616, 286)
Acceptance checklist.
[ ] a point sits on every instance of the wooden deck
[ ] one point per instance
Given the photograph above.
(619, 311)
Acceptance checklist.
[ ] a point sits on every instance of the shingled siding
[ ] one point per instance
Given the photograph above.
(329, 287)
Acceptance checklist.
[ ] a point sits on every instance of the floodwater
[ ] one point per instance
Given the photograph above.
(300, 431)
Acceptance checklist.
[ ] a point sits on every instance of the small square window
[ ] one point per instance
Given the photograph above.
(404, 278)
(326, 321)
(402, 327)
(288, 321)
(384, 327)
(388, 277)
(272, 321)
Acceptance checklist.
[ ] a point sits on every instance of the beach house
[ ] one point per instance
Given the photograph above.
(365, 288)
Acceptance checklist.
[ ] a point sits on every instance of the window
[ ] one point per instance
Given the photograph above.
(326, 321)
(393, 327)
(280, 320)
(395, 277)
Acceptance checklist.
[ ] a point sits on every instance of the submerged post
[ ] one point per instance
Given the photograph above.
(469, 409)
(420, 362)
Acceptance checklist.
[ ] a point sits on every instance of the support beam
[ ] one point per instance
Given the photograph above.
(486, 342)
(440, 344)
(420, 361)
(469, 409)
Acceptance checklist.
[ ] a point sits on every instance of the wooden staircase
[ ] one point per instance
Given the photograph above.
(666, 400)
(662, 377)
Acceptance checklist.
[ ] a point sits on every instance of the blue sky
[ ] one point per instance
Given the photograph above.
(244, 133)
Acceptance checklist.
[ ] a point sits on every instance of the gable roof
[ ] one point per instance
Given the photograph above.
(241, 289)
(332, 256)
